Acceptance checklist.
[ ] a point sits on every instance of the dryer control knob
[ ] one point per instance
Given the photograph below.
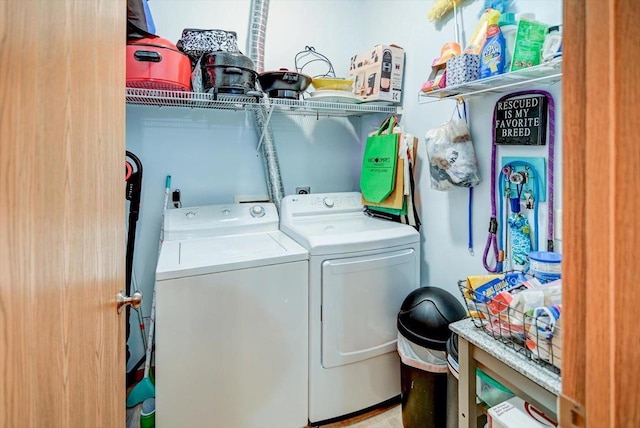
(257, 211)
(328, 202)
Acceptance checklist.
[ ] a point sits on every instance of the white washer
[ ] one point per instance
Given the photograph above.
(232, 320)
(360, 271)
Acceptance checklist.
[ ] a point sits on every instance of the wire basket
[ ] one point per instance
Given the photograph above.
(535, 333)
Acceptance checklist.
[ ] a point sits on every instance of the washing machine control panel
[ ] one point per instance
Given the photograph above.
(320, 203)
(218, 220)
(257, 211)
(328, 202)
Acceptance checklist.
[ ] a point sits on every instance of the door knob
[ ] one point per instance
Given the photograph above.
(135, 300)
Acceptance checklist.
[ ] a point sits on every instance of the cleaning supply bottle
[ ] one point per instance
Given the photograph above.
(492, 58)
(552, 46)
(508, 28)
(477, 40)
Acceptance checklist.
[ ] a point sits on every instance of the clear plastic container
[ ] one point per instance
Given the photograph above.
(545, 265)
(491, 391)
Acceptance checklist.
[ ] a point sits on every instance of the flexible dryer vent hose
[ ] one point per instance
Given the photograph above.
(257, 32)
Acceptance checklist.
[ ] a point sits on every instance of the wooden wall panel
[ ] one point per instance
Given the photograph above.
(624, 165)
(601, 255)
(574, 94)
(599, 286)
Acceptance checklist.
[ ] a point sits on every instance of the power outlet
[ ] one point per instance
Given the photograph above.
(303, 190)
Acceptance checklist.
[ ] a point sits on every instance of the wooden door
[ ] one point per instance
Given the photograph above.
(601, 98)
(61, 212)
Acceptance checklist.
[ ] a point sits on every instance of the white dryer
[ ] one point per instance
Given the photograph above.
(360, 271)
(232, 314)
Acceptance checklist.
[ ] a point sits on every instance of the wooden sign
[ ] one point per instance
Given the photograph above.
(521, 121)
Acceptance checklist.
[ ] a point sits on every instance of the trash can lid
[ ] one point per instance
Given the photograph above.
(425, 316)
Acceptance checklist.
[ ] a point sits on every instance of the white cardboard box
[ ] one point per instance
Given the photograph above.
(378, 73)
(516, 413)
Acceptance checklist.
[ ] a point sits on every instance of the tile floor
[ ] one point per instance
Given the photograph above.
(386, 417)
(383, 417)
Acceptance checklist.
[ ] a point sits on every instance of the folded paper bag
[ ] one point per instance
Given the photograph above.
(396, 198)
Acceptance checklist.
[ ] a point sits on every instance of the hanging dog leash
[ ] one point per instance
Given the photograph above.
(492, 247)
(463, 115)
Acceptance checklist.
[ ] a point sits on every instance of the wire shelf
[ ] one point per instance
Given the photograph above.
(160, 98)
(537, 337)
(329, 108)
(547, 73)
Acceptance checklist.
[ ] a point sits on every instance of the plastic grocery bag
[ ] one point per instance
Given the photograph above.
(378, 176)
(452, 159)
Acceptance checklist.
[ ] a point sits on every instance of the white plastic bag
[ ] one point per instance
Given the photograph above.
(422, 358)
(452, 159)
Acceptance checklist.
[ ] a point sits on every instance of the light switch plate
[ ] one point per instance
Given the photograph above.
(557, 224)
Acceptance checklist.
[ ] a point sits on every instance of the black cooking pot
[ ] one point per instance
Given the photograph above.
(284, 83)
(229, 72)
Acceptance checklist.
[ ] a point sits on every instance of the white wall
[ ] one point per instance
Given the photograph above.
(211, 155)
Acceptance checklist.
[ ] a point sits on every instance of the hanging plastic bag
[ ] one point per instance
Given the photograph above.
(452, 159)
(378, 176)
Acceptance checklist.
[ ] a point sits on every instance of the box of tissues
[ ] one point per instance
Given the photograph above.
(462, 69)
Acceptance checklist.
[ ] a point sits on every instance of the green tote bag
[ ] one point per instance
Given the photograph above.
(378, 176)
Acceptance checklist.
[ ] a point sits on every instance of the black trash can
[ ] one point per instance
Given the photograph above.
(423, 327)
